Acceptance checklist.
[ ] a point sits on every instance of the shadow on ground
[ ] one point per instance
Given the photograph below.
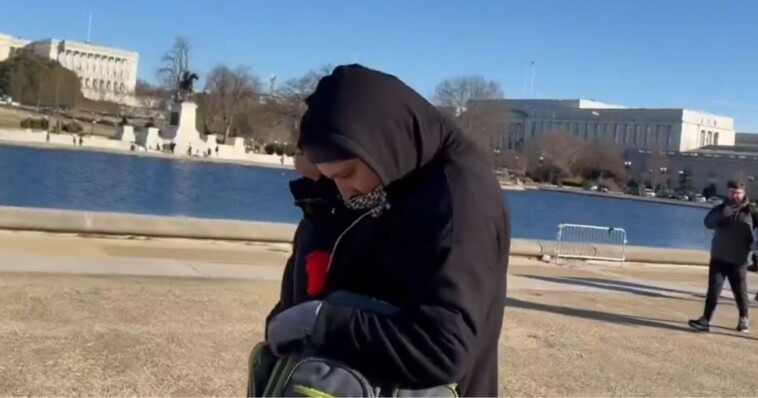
(629, 320)
(616, 286)
(632, 288)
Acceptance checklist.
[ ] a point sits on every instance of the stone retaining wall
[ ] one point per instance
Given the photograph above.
(38, 138)
(83, 222)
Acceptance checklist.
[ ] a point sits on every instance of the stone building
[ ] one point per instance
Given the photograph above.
(712, 165)
(628, 128)
(9, 45)
(106, 73)
(658, 144)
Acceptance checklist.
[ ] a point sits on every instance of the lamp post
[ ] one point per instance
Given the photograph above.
(542, 165)
(663, 171)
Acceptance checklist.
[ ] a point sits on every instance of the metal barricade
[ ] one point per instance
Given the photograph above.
(591, 242)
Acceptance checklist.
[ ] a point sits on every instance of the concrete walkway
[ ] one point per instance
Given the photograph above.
(182, 322)
(184, 258)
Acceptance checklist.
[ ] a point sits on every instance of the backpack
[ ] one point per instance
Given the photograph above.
(318, 377)
(303, 375)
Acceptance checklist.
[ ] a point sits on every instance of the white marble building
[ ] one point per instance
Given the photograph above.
(9, 45)
(628, 128)
(106, 73)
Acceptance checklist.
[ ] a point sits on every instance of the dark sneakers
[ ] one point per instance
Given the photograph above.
(743, 325)
(701, 325)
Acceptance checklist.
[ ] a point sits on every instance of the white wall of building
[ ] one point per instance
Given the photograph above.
(629, 128)
(10, 44)
(106, 73)
(703, 129)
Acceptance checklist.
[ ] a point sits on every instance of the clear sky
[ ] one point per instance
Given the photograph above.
(651, 53)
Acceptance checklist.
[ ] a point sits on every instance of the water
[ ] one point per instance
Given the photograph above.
(82, 180)
(536, 214)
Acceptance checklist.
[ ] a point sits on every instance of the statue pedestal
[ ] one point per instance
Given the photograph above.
(181, 130)
(149, 138)
(181, 127)
(125, 133)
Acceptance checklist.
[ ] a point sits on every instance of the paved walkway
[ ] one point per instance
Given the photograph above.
(578, 330)
(68, 254)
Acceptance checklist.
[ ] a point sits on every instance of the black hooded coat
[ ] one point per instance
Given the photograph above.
(439, 253)
(324, 218)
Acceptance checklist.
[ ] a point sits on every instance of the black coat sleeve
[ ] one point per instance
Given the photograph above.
(287, 290)
(715, 217)
(428, 343)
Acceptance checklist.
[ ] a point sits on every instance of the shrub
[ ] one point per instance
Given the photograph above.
(35, 124)
(73, 127)
(290, 150)
(270, 148)
(576, 183)
(279, 149)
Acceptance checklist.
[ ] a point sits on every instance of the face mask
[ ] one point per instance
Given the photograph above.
(374, 201)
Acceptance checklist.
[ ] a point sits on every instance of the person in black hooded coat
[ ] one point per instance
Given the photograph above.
(324, 218)
(433, 239)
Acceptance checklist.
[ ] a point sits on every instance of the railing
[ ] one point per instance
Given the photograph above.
(591, 242)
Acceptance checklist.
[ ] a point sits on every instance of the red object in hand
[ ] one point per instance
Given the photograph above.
(316, 266)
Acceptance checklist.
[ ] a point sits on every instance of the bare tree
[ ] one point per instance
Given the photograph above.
(148, 95)
(483, 121)
(457, 92)
(512, 160)
(301, 87)
(289, 105)
(227, 93)
(174, 63)
(600, 161)
(557, 151)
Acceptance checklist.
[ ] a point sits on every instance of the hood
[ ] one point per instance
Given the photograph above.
(363, 113)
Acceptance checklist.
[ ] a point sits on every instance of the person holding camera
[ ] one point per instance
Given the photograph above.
(733, 223)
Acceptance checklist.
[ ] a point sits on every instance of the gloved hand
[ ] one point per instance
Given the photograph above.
(291, 325)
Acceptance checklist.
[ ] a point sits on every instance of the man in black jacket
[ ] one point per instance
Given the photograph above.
(732, 223)
(432, 241)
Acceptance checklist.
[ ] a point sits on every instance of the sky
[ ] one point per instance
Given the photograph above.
(695, 54)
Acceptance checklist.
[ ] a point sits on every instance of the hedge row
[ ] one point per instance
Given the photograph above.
(280, 149)
(44, 124)
(35, 124)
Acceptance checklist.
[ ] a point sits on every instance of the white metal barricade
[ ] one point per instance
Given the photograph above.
(591, 242)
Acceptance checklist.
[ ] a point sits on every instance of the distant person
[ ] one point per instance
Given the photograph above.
(73, 137)
(432, 241)
(81, 140)
(733, 224)
(216, 150)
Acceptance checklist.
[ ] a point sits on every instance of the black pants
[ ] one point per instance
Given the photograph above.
(718, 271)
